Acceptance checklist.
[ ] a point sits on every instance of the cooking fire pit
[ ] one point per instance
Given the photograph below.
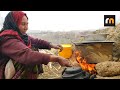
(95, 51)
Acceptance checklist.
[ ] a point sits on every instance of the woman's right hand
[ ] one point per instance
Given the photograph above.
(62, 61)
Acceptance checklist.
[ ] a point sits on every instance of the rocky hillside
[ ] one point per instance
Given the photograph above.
(61, 37)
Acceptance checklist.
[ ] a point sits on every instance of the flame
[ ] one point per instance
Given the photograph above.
(83, 63)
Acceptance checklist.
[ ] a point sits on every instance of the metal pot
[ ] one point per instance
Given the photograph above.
(73, 70)
(75, 73)
(95, 37)
(95, 51)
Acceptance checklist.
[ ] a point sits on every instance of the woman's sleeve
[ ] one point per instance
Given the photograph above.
(16, 50)
(39, 43)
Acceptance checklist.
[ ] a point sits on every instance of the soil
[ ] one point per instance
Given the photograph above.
(53, 72)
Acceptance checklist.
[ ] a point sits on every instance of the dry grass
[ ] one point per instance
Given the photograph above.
(53, 72)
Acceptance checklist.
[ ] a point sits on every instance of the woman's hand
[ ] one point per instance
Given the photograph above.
(62, 61)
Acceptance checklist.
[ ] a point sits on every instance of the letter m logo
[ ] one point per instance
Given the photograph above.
(109, 20)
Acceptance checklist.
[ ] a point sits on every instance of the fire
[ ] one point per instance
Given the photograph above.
(83, 63)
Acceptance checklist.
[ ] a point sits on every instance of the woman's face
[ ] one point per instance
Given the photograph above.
(23, 25)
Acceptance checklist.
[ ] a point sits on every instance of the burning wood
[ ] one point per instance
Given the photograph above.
(83, 63)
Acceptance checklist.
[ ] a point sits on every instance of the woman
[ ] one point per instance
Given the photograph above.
(16, 45)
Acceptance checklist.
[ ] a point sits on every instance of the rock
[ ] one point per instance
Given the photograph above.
(108, 68)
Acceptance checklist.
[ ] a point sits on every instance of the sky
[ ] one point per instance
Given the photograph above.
(66, 20)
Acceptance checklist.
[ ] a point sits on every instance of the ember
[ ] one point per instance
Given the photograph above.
(83, 63)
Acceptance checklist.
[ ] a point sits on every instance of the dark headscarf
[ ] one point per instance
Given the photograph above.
(12, 21)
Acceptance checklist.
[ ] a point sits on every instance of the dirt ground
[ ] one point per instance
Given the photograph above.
(53, 72)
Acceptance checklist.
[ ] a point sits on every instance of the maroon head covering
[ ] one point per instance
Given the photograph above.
(17, 15)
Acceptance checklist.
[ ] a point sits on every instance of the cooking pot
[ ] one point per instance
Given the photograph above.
(95, 51)
(75, 73)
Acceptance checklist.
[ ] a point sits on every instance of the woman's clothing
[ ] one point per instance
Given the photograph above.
(13, 47)
(18, 47)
